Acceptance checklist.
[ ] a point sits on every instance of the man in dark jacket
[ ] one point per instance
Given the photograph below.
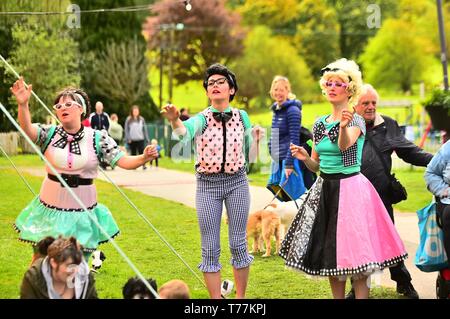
(99, 120)
(385, 133)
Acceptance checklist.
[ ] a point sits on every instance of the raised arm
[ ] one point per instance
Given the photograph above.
(22, 95)
(171, 113)
(347, 135)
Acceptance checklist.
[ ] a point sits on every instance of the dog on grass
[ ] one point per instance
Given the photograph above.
(286, 211)
(262, 225)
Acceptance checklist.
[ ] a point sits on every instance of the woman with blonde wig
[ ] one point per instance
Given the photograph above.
(342, 229)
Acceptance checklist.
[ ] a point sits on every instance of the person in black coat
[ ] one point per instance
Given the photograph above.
(99, 120)
(385, 133)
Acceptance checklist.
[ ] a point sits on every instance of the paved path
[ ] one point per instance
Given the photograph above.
(180, 187)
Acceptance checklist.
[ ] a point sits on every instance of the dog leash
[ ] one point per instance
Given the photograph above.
(282, 189)
(277, 193)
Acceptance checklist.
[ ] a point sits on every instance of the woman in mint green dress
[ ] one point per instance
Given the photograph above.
(75, 151)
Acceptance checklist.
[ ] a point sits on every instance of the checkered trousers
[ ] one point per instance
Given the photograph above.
(212, 191)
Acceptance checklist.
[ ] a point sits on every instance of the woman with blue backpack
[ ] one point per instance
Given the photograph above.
(286, 180)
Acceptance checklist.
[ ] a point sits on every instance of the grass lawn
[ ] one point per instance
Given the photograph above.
(176, 222)
(418, 195)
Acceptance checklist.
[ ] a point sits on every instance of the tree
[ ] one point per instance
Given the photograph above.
(210, 34)
(121, 74)
(446, 13)
(7, 23)
(423, 15)
(317, 34)
(276, 14)
(47, 59)
(102, 28)
(395, 56)
(356, 24)
(264, 57)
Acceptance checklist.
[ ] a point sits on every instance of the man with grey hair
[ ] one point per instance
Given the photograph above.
(99, 119)
(384, 137)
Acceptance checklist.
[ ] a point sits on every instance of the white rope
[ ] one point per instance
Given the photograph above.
(18, 172)
(26, 85)
(120, 191)
(77, 199)
(144, 7)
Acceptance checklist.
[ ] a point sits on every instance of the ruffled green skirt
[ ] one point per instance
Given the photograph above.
(38, 221)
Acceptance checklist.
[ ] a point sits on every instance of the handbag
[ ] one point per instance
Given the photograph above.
(430, 255)
(396, 189)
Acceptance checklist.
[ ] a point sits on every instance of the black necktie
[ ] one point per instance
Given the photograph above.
(74, 147)
(219, 116)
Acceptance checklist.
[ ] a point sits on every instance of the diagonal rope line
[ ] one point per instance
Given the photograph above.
(18, 172)
(119, 190)
(77, 199)
(26, 85)
(154, 229)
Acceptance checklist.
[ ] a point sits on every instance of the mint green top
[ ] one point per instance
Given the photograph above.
(332, 159)
(197, 123)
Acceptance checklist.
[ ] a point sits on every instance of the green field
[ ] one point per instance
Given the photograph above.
(176, 222)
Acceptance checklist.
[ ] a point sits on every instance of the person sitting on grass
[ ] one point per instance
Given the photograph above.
(60, 272)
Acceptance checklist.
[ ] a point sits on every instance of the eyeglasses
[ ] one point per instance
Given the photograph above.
(66, 105)
(219, 81)
(336, 84)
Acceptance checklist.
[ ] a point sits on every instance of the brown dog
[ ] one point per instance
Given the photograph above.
(262, 225)
(286, 211)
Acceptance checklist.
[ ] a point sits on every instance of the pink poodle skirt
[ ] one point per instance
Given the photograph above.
(342, 229)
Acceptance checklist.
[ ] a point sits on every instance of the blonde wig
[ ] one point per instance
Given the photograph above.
(348, 71)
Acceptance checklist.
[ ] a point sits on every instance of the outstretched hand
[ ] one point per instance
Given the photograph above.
(21, 93)
(346, 117)
(298, 152)
(170, 112)
(150, 153)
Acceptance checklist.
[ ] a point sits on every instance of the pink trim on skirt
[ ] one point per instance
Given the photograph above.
(365, 233)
